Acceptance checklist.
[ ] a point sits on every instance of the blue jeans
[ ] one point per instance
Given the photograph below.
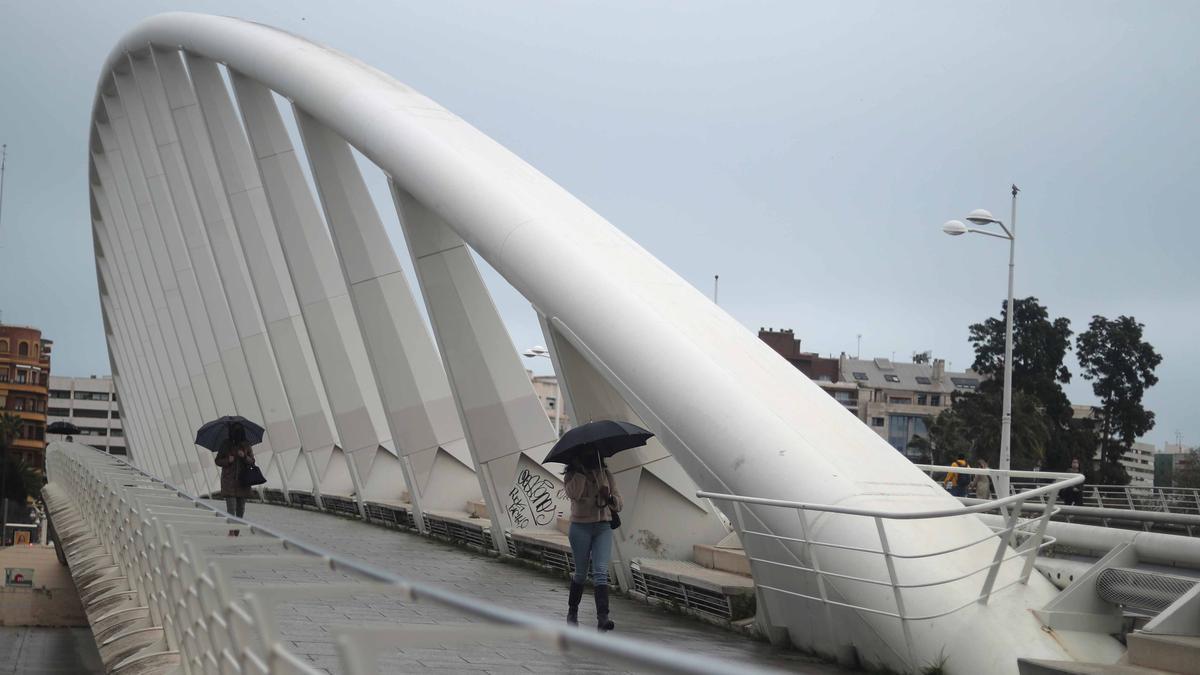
(591, 541)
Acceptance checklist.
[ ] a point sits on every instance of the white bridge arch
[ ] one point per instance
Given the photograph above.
(319, 336)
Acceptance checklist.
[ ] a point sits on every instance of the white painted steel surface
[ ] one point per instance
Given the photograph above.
(735, 417)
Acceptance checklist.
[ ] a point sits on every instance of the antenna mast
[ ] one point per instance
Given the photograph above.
(3, 161)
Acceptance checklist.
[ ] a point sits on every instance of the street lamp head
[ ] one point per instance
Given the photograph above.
(954, 228)
(981, 217)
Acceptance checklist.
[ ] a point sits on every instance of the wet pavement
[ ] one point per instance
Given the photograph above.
(48, 651)
(308, 625)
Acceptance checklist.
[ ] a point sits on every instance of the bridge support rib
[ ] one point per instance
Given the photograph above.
(507, 429)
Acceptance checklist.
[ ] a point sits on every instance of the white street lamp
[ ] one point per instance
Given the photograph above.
(955, 228)
(534, 352)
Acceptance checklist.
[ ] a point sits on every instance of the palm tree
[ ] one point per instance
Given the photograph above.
(10, 426)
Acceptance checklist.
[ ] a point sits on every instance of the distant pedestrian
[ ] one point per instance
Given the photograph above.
(594, 500)
(982, 483)
(954, 482)
(234, 455)
(1073, 496)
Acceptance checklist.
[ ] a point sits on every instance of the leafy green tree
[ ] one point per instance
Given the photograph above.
(948, 437)
(16, 481)
(1040, 347)
(1120, 365)
(972, 426)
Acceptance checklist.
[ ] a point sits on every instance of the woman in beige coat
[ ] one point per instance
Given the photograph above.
(594, 499)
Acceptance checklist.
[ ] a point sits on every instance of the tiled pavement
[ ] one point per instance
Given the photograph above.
(48, 651)
(307, 624)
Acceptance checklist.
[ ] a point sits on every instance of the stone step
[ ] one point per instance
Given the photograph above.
(1048, 667)
(732, 560)
(477, 508)
(1170, 653)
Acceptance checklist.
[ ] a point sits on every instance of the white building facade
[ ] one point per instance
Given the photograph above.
(89, 403)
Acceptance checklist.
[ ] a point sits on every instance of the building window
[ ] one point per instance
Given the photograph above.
(922, 399)
(965, 382)
(3, 346)
(921, 379)
(58, 412)
(91, 396)
(21, 376)
(116, 414)
(18, 404)
(844, 397)
(101, 414)
(551, 402)
(877, 421)
(4, 375)
(116, 432)
(900, 400)
(23, 349)
(935, 399)
(60, 393)
(891, 378)
(901, 429)
(860, 376)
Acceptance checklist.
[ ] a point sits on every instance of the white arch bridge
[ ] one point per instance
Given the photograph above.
(234, 282)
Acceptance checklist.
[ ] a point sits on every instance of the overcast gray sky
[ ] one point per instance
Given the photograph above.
(806, 152)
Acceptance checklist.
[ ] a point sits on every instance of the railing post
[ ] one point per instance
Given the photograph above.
(1035, 544)
(896, 590)
(1014, 514)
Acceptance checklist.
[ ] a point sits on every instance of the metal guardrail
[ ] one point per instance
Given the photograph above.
(1005, 539)
(1184, 501)
(141, 546)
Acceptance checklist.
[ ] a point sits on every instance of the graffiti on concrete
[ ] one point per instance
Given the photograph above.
(533, 499)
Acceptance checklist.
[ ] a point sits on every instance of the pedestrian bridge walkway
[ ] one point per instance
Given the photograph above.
(168, 589)
(308, 626)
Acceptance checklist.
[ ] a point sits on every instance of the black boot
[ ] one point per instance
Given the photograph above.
(602, 620)
(573, 603)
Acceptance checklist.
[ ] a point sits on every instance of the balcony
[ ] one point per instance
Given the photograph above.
(28, 444)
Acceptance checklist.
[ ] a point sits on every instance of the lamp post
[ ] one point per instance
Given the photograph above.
(534, 352)
(955, 228)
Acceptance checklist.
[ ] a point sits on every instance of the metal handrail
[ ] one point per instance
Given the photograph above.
(212, 621)
(1062, 480)
(1011, 506)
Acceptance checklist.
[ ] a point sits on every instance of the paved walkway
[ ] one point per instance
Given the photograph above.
(48, 651)
(508, 584)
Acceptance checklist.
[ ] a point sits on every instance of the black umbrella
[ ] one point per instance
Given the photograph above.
(602, 437)
(62, 428)
(213, 434)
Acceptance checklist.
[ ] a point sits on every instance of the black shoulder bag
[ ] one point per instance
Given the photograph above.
(251, 475)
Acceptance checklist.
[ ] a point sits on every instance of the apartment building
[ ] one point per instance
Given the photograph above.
(89, 403)
(24, 375)
(898, 400)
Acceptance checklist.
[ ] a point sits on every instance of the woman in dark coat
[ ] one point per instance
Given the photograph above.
(234, 454)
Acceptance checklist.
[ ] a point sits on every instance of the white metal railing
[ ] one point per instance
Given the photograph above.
(1005, 538)
(155, 553)
(1184, 501)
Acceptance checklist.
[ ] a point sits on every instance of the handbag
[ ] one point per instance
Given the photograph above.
(614, 520)
(251, 475)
